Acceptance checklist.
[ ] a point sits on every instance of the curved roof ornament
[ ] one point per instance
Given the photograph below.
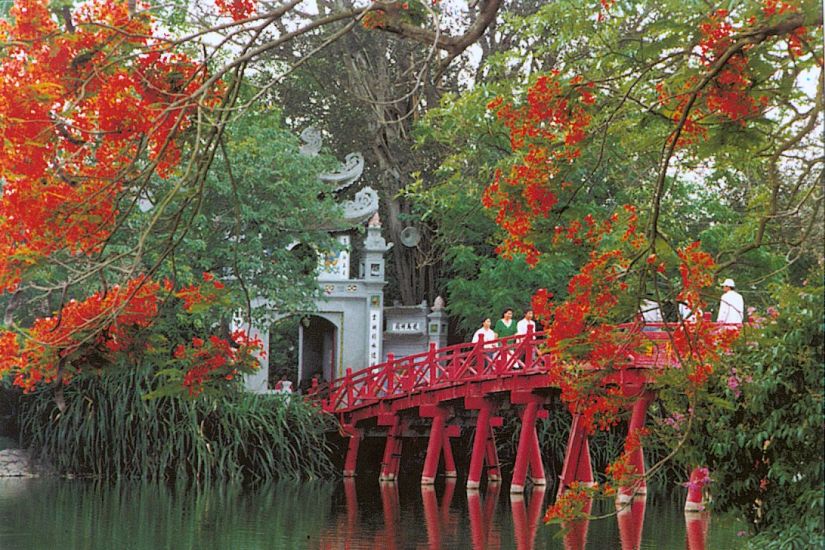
(311, 136)
(347, 174)
(362, 207)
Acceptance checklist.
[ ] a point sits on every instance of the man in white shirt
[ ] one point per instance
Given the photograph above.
(731, 306)
(523, 326)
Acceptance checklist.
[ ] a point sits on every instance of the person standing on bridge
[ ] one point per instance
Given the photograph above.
(506, 326)
(731, 306)
(523, 326)
(486, 332)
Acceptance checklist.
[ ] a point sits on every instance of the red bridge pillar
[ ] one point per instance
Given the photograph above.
(351, 460)
(392, 449)
(577, 466)
(438, 444)
(528, 454)
(637, 457)
(484, 442)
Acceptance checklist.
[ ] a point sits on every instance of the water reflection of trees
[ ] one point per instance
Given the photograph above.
(91, 515)
(318, 515)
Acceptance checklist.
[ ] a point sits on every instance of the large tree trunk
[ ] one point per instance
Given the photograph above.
(370, 76)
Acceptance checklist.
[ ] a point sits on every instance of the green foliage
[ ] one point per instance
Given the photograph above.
(717, 190)
(765, 451)
(109, 430)
(484, 286)
(260, 199)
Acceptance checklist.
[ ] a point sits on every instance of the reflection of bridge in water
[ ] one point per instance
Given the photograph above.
(490, 525)
(462, 388)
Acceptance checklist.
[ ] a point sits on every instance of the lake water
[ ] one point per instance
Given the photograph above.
(80, 514)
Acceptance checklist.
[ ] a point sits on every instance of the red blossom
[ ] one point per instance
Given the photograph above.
(237, 9)
(61, 182)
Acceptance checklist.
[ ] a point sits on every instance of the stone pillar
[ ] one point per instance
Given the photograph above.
(256, 382)
(437, 324)
(372, 272)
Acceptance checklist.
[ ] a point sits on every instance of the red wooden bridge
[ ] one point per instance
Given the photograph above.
(444, 390)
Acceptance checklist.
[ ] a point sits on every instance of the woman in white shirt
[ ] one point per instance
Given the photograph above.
(487, 332)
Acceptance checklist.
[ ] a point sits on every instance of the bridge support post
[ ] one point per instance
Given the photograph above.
(491, 457)
(577, 466)
(392, 451)
(351, 460)
(695, 497)
(528, 454)
(438, 443)
(483, 443)
(632, 446)
(449, 461)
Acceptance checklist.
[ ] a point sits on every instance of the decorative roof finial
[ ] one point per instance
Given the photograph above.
(375, 221)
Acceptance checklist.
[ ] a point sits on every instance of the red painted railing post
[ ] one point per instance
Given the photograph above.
(529, 345)
(479, 355)
(432, 364)
(348, 389)
(389, 369)
(409, 378)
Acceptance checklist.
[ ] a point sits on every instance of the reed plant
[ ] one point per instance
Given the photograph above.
(109, 430)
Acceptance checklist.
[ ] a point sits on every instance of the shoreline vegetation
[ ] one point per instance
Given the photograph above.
(109, 430)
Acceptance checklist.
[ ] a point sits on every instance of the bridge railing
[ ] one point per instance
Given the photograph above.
(434, 368)
(456, 364)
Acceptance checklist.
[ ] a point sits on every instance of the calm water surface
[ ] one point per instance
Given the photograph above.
(64, 514)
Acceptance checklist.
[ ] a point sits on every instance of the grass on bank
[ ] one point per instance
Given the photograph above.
(110, 431)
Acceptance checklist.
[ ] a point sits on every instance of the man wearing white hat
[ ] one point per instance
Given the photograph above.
(732, 306)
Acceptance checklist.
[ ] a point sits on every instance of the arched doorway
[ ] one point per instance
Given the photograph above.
(284, 349)
(318, 350)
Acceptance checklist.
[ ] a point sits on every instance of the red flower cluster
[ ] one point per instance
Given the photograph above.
(76, 110)
(92, 333)
(375, 19)
(238, 10)
(571, 505)
(730, 94)
(214, 360)
(103, 322)
(622, 471)
(196, 296)
(544, 133)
